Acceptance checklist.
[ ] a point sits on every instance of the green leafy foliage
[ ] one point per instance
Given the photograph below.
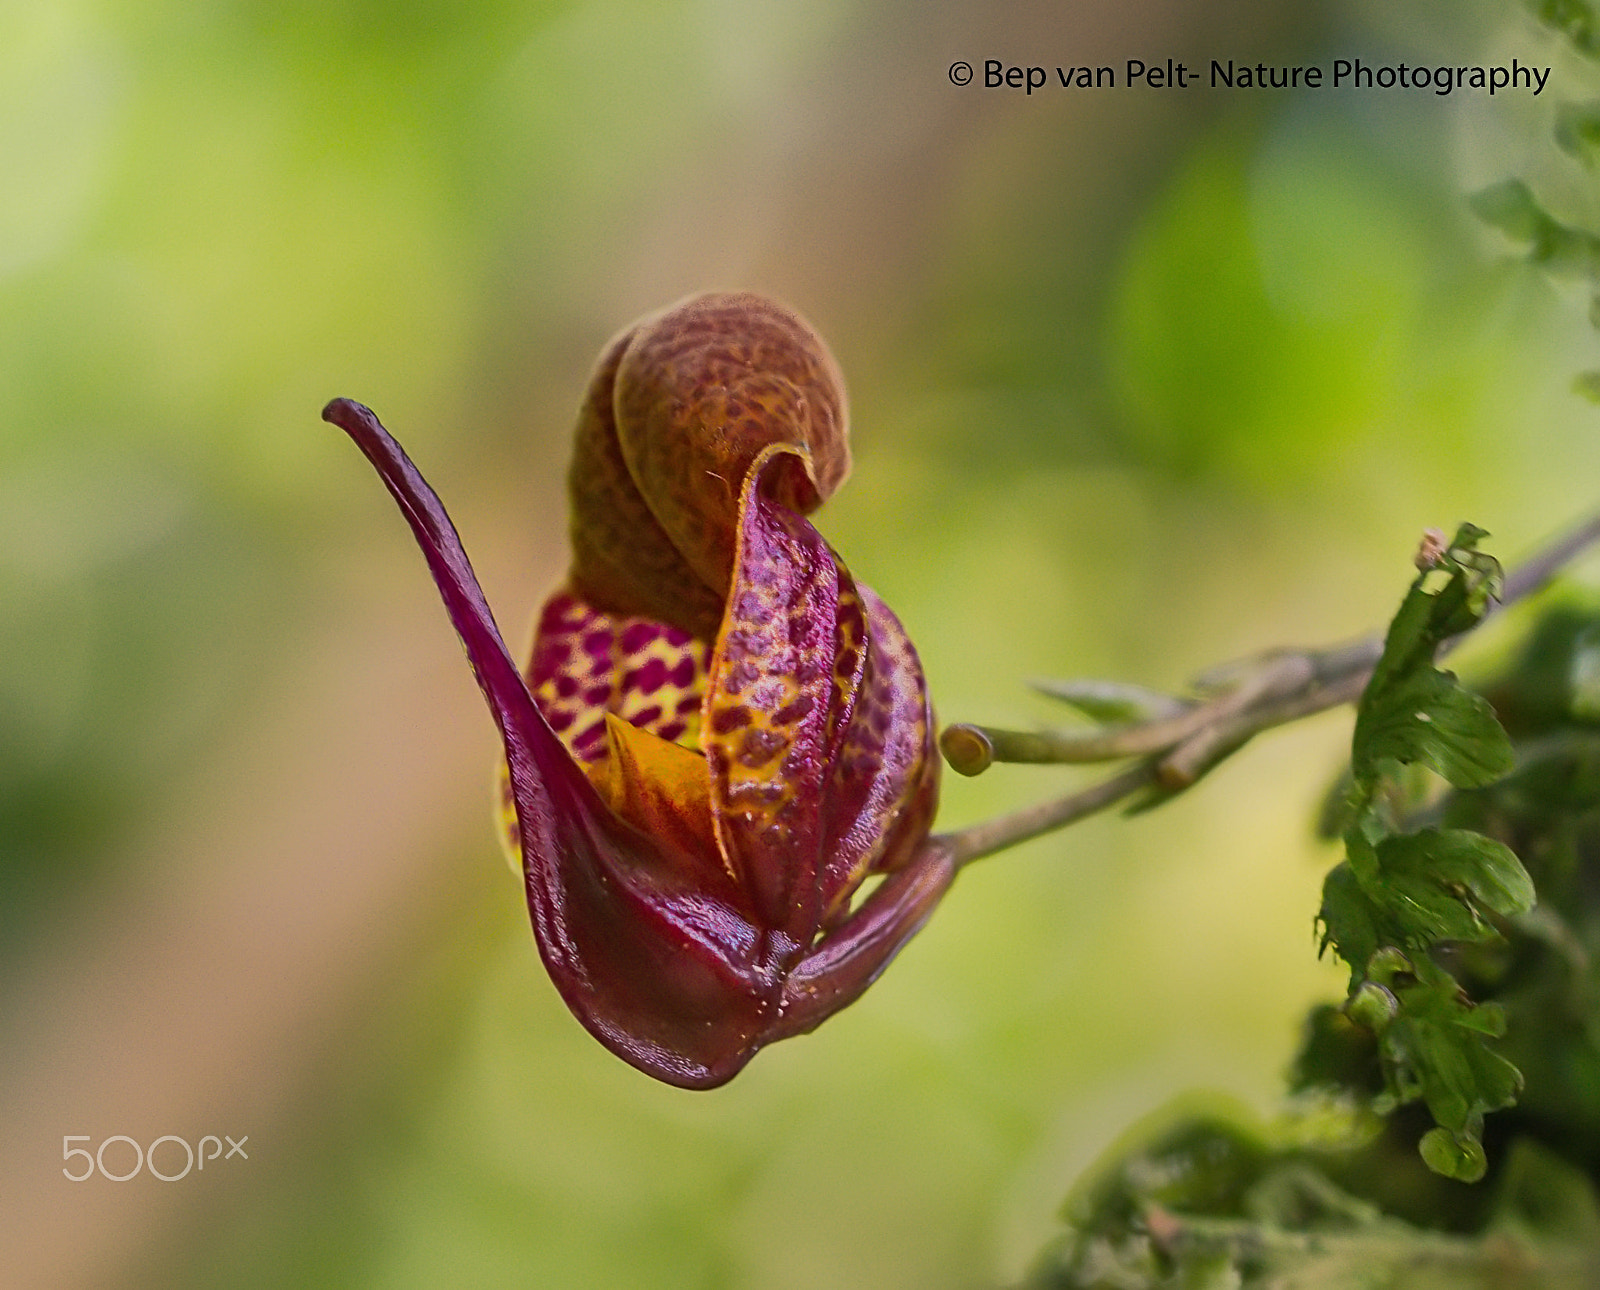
(1216, 1200)
(1465, 997)
(1361, 1185)
(1434, 1049)
(1574, 19)
(1561, 250)
(1578, 131)
(1402, 895)
(1564, 251)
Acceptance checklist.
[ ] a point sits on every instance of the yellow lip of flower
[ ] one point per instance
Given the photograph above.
(721, 734)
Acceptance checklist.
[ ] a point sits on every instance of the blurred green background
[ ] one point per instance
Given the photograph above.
(1141, 381)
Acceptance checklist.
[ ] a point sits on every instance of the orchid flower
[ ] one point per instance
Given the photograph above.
(720, 735)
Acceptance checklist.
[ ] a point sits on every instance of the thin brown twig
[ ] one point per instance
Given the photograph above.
(1176, 750)
(984, 839)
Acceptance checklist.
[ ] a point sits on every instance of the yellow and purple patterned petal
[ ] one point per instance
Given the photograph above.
(720, 734)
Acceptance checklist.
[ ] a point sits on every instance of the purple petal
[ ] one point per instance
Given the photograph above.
(657, 960)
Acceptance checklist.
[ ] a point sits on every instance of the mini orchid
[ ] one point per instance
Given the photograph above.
(720, 735)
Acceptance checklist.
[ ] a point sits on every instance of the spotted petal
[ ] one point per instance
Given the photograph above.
(721, 734)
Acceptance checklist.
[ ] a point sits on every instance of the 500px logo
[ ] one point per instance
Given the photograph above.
(193, 1157)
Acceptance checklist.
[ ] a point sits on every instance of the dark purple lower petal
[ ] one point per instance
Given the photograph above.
(669, 974)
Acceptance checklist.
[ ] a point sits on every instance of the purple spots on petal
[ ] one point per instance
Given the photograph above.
(865, 765)
(591, 741)
(563, 616)
(793, 711)
(566, 685)
(682, 675)
(739, 676)
(644, 718)
(647, 679)
(638, 635)
(560, 719)
(768, 694)
(725, 721)
(672, 730)
(677, 637)
(597, 695)
(758, 747)
(754, 792)
(688, 704)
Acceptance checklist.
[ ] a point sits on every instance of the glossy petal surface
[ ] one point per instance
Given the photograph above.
(720, 734)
